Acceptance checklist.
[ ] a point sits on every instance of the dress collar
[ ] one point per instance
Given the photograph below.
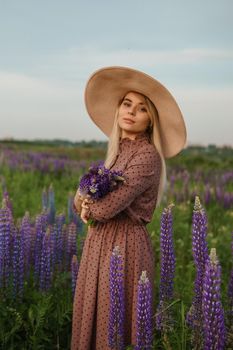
(127, 145)
(140, 136)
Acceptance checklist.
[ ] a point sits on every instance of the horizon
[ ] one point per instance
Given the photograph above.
(10, 139)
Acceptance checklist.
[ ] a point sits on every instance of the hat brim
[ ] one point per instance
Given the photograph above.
(107, 86)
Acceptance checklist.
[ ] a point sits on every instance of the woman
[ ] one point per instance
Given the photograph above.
(144, 125)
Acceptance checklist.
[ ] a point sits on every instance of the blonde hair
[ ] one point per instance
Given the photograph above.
(155, 139)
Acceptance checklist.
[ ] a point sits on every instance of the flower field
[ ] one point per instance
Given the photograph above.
(41, 241)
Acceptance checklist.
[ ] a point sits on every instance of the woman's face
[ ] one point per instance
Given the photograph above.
(133, 117)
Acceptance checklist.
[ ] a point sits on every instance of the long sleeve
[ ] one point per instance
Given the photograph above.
(142, 172)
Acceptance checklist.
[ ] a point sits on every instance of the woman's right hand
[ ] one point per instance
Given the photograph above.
(78, 200)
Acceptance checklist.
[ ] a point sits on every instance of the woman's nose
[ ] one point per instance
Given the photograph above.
(132, 110)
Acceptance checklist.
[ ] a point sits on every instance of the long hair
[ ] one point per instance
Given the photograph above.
(154, 136)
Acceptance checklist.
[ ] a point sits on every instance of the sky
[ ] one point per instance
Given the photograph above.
(49, 48)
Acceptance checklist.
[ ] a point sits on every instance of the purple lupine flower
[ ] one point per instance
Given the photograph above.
(8, 201)
(40, 232)
(117, 302)
(15, 254)
(32, 243)
(72, 215)
(167, 254)
(74, 273)
(18, 262)
(51, 205)
(41, 161)
(44, 219)
(213, 314)
(21, 265)
(6, 226)
(144, 314)
(64, 239)
(71, 247)
(25, 232)
(60, 221)
(45, 263)
(70, 209)
(200, 255)
(99, 181)
(53, 243)
(44, 199)
(230, 288)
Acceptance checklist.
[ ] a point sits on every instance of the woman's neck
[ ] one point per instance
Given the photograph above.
(131, 136)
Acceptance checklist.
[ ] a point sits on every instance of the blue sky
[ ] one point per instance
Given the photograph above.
(49, 49)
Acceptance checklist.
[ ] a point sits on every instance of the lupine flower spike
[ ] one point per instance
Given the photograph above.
(230, 299)
(74, 273)
(200, 256)
(25, 232)
(230, 287)
(116, 313)
(144, 314)
(71, 248)
(18, 262)
(163, 318)
(213, 315)
(51, 205)
(45, 263)
(6, 226)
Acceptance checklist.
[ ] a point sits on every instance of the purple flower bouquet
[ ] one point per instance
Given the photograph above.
(99, 181)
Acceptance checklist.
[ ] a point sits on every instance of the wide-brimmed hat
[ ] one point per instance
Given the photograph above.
(107, 86)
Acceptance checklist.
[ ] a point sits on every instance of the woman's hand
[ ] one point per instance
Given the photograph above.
(81, 204)
(85, 213)
(78, 200)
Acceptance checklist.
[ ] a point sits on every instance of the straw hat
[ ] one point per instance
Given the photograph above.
(107, 86)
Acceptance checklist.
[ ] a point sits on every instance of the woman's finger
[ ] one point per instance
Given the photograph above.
(84, 215)
(88, 201)
(85, 205)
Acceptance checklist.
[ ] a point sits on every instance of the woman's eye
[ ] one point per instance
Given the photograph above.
(125, 103)
(143, 109)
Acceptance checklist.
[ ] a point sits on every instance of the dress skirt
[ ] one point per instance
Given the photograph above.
(91, 300)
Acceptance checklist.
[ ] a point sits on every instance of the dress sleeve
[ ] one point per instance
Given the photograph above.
(142, 172)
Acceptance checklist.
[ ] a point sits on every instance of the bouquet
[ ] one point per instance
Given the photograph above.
(99, 181)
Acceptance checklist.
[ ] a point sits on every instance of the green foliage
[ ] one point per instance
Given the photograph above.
(43, 321)
(39, 320)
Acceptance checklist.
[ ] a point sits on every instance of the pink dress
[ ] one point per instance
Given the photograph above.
(121, 217)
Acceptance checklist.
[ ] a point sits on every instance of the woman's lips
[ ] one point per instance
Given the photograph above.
(128, 121)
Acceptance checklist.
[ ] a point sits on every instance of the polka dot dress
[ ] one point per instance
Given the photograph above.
(121, 218)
